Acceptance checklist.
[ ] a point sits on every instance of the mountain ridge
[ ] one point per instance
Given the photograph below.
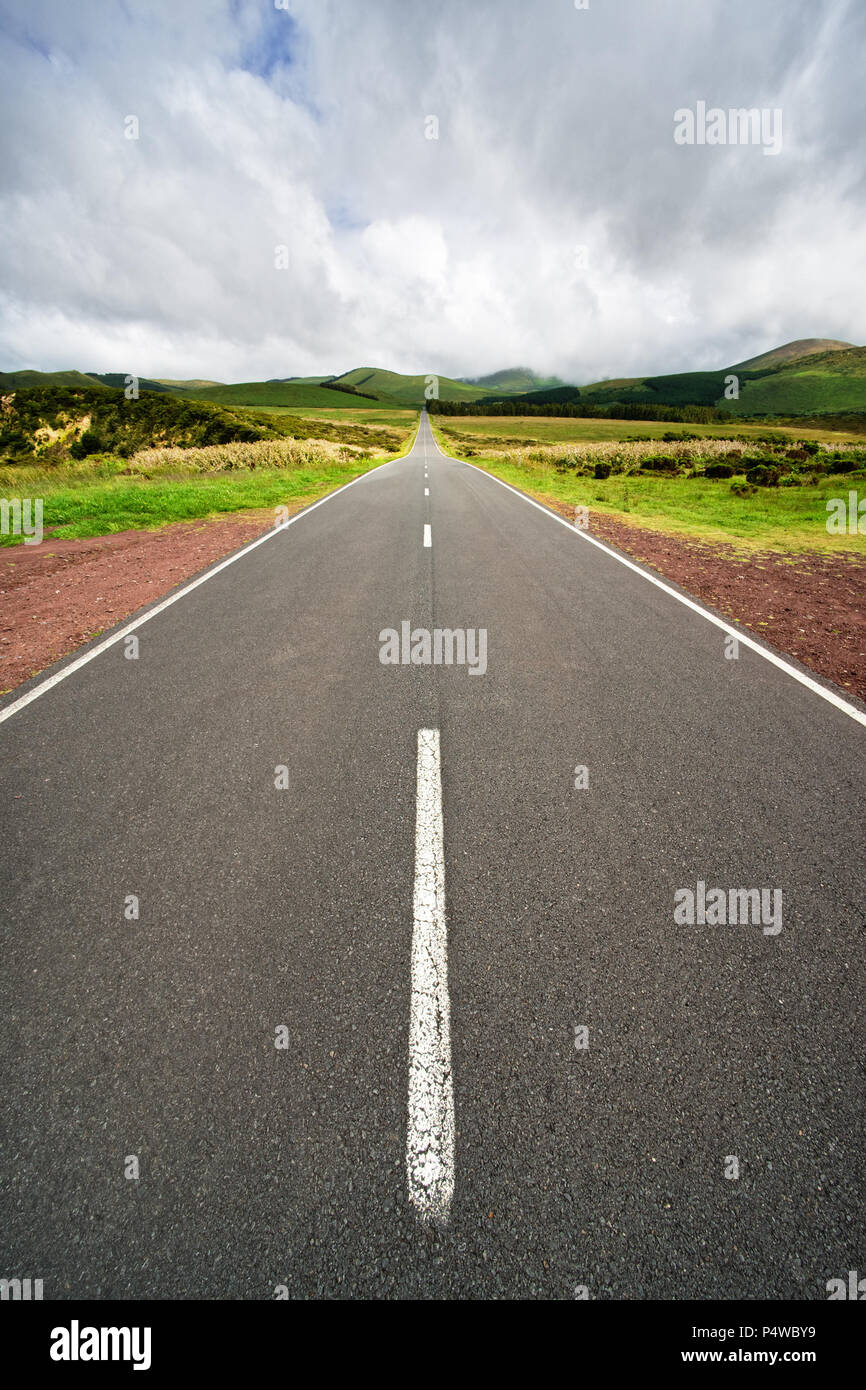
(802, 376)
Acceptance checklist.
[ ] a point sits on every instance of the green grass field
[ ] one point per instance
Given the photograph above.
(547, 429)
(102, 508)
(774, 518)
(402, 419)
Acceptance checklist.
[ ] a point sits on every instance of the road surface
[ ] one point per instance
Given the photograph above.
(405, 1010)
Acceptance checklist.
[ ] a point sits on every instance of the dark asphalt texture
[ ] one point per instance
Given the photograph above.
(259, 907)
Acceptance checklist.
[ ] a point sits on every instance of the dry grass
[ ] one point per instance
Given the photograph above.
(218, 458)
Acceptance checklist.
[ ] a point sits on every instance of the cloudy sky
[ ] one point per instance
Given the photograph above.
(554, 222)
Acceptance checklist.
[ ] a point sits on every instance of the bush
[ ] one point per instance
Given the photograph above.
(841, 465)
(602, 470)
(89, 443)
(661, 463)
(719, 470)
(763, 475)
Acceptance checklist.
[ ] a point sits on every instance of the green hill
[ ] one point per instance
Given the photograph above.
(19, 381)
(817, 381)
(810, 376)
(791, 352)
(186, 385)
(547, 395)
(816, 384)
(288, 394)
(397, 389)
(16, 381)
(119, 382)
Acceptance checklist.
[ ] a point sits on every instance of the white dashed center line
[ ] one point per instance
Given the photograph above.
(430, 1132)
(428, 535)
(426, 492)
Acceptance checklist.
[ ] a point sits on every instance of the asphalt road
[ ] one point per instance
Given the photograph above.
(600, 1167)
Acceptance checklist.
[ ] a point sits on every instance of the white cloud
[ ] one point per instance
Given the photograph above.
(306, 129)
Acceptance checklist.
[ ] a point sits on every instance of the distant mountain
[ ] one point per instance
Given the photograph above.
(513, 379)
(806, 377)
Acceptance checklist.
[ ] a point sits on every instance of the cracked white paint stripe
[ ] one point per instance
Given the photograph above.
(430, 1133)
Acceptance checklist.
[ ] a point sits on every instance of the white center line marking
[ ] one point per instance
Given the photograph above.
(428, 534)
(426, 492)
(430, 1132)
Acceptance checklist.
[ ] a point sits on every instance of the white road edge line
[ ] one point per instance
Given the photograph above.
(430, 1130)
(828, 695)
(173, 598)
(428, 534)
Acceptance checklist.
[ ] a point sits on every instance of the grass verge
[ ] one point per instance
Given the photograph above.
(102, 495)
(767, 518)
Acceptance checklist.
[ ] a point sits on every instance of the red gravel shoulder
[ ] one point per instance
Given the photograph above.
(810, 605)
(57, 595)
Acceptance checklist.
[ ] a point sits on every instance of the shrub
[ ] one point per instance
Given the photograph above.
(719, 470)
(89, 443)
(602, 470)
(763, 475)
(660, 463)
